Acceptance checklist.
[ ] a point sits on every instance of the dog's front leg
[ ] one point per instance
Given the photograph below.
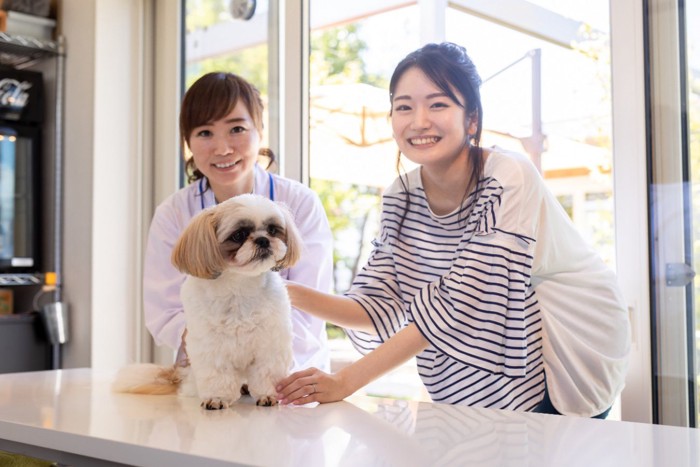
(216, 389)
(262, 386)
(271, 364)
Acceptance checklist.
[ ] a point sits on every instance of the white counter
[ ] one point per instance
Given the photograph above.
(72, 416)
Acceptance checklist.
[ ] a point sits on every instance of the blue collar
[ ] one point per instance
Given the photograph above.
(201, 189)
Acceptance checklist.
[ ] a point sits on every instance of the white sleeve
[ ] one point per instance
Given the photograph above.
(377, 290)
(314, 269)
(165, 318)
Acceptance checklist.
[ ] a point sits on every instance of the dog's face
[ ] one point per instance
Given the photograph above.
(249, 233)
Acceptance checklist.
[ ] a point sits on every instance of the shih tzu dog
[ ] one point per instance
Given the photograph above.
(239, 336)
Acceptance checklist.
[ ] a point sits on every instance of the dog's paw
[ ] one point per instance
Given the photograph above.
(215, 404)
(267, 401)
(244, 390)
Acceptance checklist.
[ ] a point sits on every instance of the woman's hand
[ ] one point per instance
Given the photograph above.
(311, 385)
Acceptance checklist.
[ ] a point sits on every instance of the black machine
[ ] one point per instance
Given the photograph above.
(21, 117)
(22, 334)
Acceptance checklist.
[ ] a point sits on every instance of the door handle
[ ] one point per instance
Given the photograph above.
(679, 274)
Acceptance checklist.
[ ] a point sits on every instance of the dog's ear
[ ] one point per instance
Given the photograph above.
(197, 250)
(292, 240)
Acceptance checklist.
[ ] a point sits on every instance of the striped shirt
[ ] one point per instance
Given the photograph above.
(472, 280)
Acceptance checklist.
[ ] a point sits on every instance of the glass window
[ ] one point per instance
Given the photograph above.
(352, 153)
(349, 131)
(534, 90)
(692, 47)
(674, 61)
(206, 21)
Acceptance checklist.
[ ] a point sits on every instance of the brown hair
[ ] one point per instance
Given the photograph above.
(212, 97)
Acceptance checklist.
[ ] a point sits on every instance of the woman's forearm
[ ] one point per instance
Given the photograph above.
(404, 345)
(314, 385)
(335, 309)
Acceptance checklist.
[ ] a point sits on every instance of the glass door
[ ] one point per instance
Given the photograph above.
(674, 198)
(692, 53)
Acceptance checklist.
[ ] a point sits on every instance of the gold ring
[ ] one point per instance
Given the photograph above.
(314, 385)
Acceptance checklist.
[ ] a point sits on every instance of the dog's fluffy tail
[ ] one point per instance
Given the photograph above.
(148, 378)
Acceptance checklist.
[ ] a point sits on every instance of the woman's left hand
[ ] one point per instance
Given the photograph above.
(311, 385)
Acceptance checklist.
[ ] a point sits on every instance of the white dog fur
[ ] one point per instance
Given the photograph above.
(236, 306)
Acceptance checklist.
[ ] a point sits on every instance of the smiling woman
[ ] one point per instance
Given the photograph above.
(491, 288)
(221, 125)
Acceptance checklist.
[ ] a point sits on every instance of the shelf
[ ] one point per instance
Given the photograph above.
(19, 318)
(20, 51)
(20, 279)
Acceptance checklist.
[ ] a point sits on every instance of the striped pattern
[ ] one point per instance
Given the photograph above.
(467, 289)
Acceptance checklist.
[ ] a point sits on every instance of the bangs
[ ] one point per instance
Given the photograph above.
(213, 97)
(447, 80)
(220, 101)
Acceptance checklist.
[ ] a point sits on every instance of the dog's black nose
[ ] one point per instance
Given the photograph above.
(262, 242)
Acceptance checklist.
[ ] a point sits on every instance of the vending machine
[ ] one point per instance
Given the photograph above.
(23, 343)
(21, 117)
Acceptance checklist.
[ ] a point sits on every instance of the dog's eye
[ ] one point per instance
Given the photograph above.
(272, 230)
(239, 236)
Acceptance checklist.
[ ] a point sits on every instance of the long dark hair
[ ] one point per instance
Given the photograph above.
(450, 68)
(212, 97)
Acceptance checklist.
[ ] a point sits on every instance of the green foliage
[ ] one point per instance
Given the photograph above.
(347, 207)
(339, 49)
(251, 63)
(334, 332)
(345, 201)
(336, 57)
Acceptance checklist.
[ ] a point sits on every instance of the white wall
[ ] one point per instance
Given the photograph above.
(629, 143)
(166, 148)
(103, 152)
(76, 19)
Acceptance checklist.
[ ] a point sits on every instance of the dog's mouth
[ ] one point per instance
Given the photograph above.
(261, 257)
(261, 254)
